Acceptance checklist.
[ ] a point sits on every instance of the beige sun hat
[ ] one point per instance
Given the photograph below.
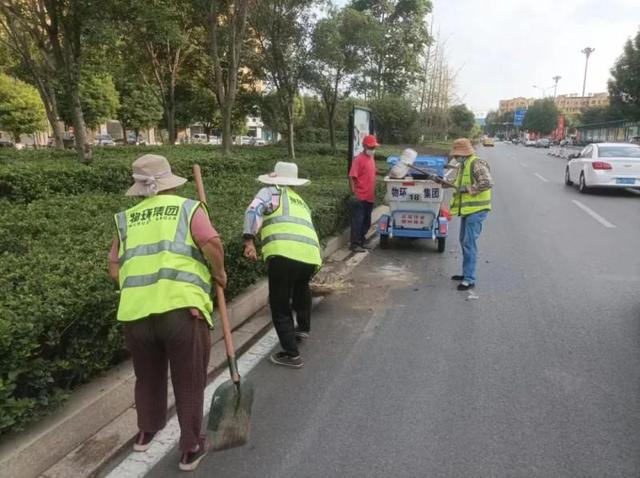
(462, 147)
(284, 174)
(152, 174)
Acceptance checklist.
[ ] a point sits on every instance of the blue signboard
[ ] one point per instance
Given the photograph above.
(518, 116)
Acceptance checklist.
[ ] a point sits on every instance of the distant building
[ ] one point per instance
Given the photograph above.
(568, 104)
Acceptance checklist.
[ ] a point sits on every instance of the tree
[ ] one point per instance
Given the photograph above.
(396, 120)
(624, 86)
(601, 114)
(227, 27)
(541, 117)
(496, 122)
(396, 39)
(282, 28)
(21, 110)
(160, 37)
(139, 109)
(462, 120)
(337, 42)
(99, 100)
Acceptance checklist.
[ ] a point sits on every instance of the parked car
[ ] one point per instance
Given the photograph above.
(104, 140)
(530, 143)
(5, 143)
(543, 143)
(215, 140)
(199, 138)
(488, 141)
(604, 165)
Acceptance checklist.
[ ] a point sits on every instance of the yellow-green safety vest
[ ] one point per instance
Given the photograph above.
(288, 231)
(161, 267)
(464, 204)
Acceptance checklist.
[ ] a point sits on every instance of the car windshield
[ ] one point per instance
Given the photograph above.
(619, 152)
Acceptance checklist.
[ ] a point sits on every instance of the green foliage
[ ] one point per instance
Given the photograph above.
(21, 110)
(140, 109)
(462, 121)
(396, 35)
(98, 98)
(624, 86)
(396, 120)
(601, 114)
(541, 117)
(57, 307)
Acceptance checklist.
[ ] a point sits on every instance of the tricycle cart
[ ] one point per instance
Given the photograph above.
(415, 205)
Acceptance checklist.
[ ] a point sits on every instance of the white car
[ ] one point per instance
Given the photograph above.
(530, 143)
(604, 165)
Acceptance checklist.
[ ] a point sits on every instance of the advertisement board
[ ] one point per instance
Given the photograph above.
(361, 124)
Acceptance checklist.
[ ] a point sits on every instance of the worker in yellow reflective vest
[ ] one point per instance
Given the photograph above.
(291, 250)
(472, 202)
(164, 259)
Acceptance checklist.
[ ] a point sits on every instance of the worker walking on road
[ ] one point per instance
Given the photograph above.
(164, 258)
(291, 250)
(362, 179)
(472, 202)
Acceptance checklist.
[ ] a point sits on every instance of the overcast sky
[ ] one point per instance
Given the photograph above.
(503, 47)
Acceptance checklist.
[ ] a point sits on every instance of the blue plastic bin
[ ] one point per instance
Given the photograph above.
(433, 164)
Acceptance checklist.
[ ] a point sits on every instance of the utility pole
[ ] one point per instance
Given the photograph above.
(555, 84)
(587, 52)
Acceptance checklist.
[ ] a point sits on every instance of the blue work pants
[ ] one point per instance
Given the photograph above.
(470, 229)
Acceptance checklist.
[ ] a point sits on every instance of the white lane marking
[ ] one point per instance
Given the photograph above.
(541, 177)
(524, 165)
(593, 214)
(137, 464)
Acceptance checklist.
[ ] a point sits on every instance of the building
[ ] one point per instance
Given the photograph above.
(514, 104)
(568, 104)
(612, 131)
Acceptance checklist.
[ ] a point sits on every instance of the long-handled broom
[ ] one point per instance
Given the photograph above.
(230, 413)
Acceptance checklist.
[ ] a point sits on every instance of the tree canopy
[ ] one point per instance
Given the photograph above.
(624, 86)
(541, 117)
(21, 110)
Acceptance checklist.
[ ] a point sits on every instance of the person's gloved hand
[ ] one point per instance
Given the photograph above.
(463, 189)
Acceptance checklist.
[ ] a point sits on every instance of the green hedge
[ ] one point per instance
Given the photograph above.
(57, 307)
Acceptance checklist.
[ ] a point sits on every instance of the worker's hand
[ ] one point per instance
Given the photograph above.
(221, 278)
(472, 190)
(463, 189)
(250, 251)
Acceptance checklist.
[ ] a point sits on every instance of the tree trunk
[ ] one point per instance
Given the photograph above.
(49, 101)
(226, 129)
(82, 145)
(170, 112)
(124, 133)
(332, 132)
(290, 131)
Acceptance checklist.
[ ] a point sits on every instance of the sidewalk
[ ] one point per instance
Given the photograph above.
(99, 420)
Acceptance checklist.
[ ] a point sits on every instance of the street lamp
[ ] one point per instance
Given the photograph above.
(587, 52)
(555, 84)
(543, 89)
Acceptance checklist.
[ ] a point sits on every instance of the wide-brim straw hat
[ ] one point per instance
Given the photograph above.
(152, 174)
(284, 174)
(462, 147)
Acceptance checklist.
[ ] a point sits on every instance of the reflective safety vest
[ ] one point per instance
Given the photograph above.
(289, 232)
(464, 204)
(161, 267)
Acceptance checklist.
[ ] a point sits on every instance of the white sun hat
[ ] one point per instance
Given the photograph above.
(284, 174)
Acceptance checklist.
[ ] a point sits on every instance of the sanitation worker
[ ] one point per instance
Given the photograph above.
(362, 179)
(164, 258)
(291, 250)
(472, 202)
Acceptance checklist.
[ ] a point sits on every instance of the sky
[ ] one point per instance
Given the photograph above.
(503, 47)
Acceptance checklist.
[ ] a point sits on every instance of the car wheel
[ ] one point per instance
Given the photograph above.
(582, 185)
(567, 178)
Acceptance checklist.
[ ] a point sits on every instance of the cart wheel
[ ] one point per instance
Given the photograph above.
(384, 242)
(441, 243)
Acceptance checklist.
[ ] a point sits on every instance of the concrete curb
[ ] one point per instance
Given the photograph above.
(99, 420)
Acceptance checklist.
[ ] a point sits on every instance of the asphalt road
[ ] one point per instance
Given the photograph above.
(406, 377)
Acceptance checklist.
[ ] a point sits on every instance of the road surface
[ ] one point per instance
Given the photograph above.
(406, 377)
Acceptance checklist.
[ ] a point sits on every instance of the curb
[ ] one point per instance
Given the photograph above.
(99, 419)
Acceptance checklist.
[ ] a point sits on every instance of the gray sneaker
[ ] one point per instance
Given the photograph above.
(286, 360)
